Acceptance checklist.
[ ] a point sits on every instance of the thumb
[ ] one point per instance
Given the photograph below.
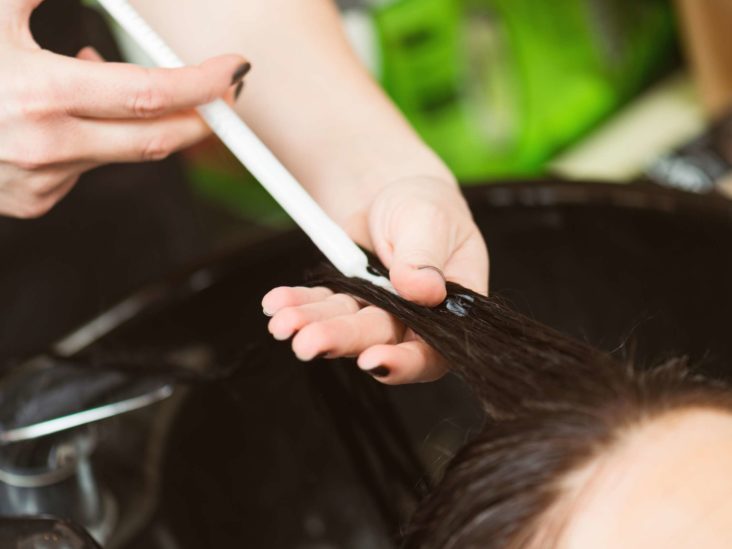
(420, 250)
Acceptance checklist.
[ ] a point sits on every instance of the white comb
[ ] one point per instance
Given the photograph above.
(333, 241)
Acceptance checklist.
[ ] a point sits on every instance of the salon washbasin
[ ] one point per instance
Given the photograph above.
(254, 449)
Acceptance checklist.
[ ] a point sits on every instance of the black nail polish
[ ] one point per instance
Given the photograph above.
(238, 90)
(240, 73)
(379, 371)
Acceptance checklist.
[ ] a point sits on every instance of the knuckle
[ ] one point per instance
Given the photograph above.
(423, 210)
(317, 333)
(35, 104)
(32, 156)
(293, 317)
(433, 211)
(26, 160)
(157, 148)
(40, 187)
(30, 110)
(34, 208)
(419, 256)
(149, 101)
(389, 329)
(345, 301)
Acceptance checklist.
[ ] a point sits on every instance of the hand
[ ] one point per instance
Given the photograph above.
(422, 230)
(61, 116)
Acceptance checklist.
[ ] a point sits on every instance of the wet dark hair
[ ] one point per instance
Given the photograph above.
(552, 404)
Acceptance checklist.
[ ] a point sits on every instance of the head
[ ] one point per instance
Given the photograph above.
(633, 469)
(578, 450)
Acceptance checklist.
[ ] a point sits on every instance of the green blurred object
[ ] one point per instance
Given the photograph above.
(238, 193)
(497, 87)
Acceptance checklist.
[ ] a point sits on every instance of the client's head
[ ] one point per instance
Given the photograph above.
(578, 451)
(646, 466)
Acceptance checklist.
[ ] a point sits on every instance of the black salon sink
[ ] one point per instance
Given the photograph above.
(255, 449)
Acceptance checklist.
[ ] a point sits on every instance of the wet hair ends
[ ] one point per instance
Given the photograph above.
(552, 404)
(513, 363)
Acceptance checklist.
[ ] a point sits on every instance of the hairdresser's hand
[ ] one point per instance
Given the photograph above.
(423, 232)
(61, 116)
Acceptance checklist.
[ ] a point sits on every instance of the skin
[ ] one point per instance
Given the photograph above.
(61, 116)
(668, 484)
(316, 107)
(310, 101)
(307, 97)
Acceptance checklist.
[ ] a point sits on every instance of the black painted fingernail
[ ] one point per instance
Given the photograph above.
(431, 268)
(240, 73)
(379, 371)
(238, 90)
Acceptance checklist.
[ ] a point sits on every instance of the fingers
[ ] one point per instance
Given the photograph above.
(408, 362)
(286, 296)
(421, 247)
(92, 89)
(335, 325)
(34, 197)
(95, 142)
(105, 141)
(327, 323)
(89, 53)
(131, 141)
(59, 193)
(346, 334)
(290, 320)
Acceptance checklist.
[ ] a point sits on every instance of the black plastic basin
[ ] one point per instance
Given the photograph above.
(259, 450)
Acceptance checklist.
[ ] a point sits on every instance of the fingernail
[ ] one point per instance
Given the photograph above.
(379, 371)
(240, 73)
(267, 313)
(431, 268)
(238, 90)
(320, 356)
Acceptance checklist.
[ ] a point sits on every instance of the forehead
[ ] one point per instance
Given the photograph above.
(666, 484)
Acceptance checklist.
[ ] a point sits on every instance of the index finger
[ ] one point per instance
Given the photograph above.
(119, 90)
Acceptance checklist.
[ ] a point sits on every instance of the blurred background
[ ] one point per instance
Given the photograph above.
(584, 89)
(180, 424)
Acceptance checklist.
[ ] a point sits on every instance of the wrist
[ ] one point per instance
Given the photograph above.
(346, 183)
